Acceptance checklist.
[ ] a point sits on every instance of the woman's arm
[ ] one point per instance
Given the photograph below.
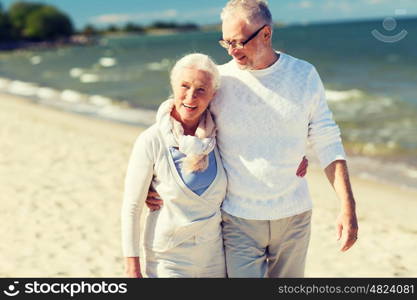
(132, 268)
(137, 181)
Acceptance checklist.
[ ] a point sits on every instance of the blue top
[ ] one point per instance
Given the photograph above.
(198, 182)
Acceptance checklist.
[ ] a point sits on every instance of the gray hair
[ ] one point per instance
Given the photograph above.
(254, 11)
(197, 61)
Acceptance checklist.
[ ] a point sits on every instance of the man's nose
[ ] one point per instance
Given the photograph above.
(231, 50)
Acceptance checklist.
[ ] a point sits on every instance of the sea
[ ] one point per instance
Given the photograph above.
(369, 70)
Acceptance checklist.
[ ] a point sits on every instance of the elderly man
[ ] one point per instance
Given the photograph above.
(269, 107)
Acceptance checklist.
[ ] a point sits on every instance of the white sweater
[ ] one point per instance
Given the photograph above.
(265, 118)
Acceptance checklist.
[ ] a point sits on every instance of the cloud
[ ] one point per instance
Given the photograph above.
(115, 18)
(215, 11)
(156, 15)
(374, 2)
(302, 4)
(305, 4)
(342, 6)
(121, 18)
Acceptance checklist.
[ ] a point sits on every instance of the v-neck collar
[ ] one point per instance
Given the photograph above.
(185, 189)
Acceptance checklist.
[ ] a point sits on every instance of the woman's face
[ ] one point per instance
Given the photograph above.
(193, 91)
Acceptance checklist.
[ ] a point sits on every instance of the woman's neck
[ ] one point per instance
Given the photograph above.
(189, 129)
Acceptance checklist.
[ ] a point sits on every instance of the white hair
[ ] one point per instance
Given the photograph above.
(200, 62)
(254, 11)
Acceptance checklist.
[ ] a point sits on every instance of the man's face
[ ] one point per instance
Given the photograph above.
(238, 30)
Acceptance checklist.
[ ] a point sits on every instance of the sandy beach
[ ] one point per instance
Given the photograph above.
(61, 186)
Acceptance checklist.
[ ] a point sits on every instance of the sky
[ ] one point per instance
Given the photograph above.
(104, 12)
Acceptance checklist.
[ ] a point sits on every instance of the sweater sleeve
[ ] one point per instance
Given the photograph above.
(137, 181)
(323, 132)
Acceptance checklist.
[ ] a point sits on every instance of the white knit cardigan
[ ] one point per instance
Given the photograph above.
(184, 214)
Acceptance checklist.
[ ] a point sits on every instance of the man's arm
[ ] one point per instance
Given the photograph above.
(324, 136)
(346, 224)
(154, 202)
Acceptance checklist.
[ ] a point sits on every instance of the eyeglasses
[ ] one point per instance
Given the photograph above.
(239, 45)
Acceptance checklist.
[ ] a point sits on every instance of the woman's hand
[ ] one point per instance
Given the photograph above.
(133, 267)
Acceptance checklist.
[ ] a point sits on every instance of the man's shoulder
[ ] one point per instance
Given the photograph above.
(226, 68)
(288, 64)
(296, 64)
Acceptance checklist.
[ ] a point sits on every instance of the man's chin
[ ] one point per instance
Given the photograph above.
(242, 65)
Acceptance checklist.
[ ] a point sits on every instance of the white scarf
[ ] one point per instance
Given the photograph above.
(196, 148)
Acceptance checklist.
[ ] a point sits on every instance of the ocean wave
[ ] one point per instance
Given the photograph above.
(47, 93)
(398, 172)
(336, 96)
(22, 88)
(76, 72)
(100, 100)
(73, 96)
(4, 83)
(83, 76)
(163, 65)
(107, 62)
(89, 78)
(75, 101)
(411, 173)
(35, 60)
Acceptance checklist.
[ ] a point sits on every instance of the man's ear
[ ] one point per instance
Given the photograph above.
(267, 33)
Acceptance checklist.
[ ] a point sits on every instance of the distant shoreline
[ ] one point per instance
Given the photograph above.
(85, 40)
(75, 40)
(82, 40)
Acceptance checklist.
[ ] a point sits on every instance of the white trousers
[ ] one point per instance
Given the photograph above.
(263, 248)
(187, 260)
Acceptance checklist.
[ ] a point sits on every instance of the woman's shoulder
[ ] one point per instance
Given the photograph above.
(148, 133)
(148, 136)
(147, 143)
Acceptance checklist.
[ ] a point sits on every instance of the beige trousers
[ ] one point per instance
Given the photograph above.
(263, 248)
(190, 259)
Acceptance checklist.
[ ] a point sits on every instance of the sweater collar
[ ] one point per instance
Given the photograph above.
(269, 70)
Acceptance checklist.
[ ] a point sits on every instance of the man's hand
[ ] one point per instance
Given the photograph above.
(347, 230)
(347, 223)
(302, 168)
(153, 201)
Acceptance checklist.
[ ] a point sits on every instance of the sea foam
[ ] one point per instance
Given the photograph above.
(336, 96)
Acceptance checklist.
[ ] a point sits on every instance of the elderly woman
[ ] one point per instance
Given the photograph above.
(178, 158)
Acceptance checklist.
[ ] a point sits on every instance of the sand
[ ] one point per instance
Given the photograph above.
(61, 186)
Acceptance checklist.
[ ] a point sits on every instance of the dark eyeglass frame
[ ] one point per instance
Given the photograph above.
(240, 45)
